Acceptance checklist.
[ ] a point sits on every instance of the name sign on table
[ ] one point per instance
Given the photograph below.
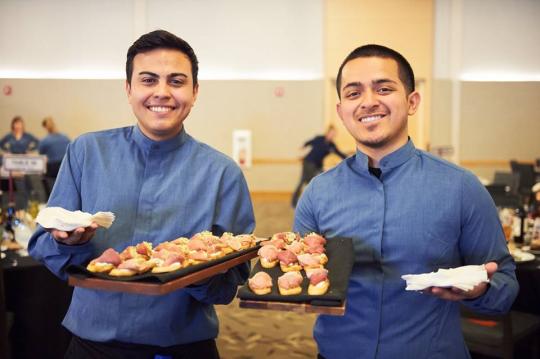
(24, 163)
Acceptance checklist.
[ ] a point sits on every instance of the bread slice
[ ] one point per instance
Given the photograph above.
(99, 267)
(116, 272)
(268, 264)
(261, 291)
(295, 267)
(320, 288)
(290, 291)
(170, 268)
(323, 258)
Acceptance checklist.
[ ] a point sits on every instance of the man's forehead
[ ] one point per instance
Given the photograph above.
(161, 57)
(371, 68)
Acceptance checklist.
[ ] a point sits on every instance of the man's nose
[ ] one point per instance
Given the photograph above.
(162, 90)
(369, 99)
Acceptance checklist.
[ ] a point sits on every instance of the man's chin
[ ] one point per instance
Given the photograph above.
(374, 143)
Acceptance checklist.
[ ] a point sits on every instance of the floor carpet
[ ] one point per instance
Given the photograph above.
(254, 334)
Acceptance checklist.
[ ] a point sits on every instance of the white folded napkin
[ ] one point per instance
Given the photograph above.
(464, 278)
(64, 220)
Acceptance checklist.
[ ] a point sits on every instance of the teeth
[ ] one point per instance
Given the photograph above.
(159, 108)
(370, 118)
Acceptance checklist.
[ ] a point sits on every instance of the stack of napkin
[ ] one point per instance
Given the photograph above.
(64, 220)
(464, 278)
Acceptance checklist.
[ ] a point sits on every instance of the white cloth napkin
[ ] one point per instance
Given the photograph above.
(464, 278)
(64, 220)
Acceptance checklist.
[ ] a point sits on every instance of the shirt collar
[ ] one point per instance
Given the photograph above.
(392, 160)
(159, 146)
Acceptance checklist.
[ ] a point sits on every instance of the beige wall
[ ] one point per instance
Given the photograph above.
(279, 124)
(498, 122)
(441, 117)
(404, 25)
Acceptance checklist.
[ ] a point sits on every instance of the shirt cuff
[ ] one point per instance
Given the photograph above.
(62, 248)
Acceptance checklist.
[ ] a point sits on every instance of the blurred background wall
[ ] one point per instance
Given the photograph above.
(270, 67)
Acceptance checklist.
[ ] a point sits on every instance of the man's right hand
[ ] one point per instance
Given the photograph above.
(80, 235)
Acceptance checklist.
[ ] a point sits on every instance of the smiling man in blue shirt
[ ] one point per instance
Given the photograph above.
(407, 212)
(162, 184)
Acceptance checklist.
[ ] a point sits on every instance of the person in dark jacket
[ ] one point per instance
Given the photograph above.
(312, 163)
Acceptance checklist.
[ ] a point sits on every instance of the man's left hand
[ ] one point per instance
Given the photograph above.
(456, 294)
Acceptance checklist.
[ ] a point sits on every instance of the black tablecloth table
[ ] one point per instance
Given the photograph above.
(38, 301)
(528, 276)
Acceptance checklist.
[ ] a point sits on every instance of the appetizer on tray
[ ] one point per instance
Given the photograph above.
(203, 247)
(300, 274)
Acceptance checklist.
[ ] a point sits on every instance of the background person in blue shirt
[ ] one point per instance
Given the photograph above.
(162, 184)
(406, 212)
(312, 163)
(53, 146)
(18, 141)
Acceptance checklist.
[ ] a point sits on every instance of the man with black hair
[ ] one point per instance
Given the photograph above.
(162, 184)
(407, 212)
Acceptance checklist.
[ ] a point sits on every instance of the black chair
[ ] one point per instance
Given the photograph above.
(509, 179)
(503, 196)
(527, 177)
(5, 321)
(497, 335)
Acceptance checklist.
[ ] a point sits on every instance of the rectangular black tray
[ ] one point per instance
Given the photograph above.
(340, 262)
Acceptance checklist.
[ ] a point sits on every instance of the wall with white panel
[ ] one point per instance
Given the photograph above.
(64, 38)
(234, 39)
(498, 40)
(487, 81)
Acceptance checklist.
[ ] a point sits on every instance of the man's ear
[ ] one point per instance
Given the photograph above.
(128, 90)
(195, 93)
(338, 110)
(414, 101)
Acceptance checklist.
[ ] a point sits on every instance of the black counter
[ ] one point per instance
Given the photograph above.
(38, 301)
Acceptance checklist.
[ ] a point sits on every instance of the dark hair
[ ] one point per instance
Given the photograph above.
(405, 71)
(161, 39)
(15, 120)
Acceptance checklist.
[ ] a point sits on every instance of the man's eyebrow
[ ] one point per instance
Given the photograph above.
(375, 82)
(148, 73)
(352, 84)
(381, 81)
(174, 74)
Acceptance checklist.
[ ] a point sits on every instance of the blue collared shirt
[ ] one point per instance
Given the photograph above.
(159, 191)
(423, 214)
(25, 144)
(54, 147)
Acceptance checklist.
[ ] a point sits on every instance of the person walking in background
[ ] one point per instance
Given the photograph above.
(18, 141)
(54, 146)
(312, 163)
(407, 212)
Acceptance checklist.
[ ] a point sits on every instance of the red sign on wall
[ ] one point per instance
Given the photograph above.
(7, 90)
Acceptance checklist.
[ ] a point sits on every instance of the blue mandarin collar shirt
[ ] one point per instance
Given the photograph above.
(158, 191)
(421, 215)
